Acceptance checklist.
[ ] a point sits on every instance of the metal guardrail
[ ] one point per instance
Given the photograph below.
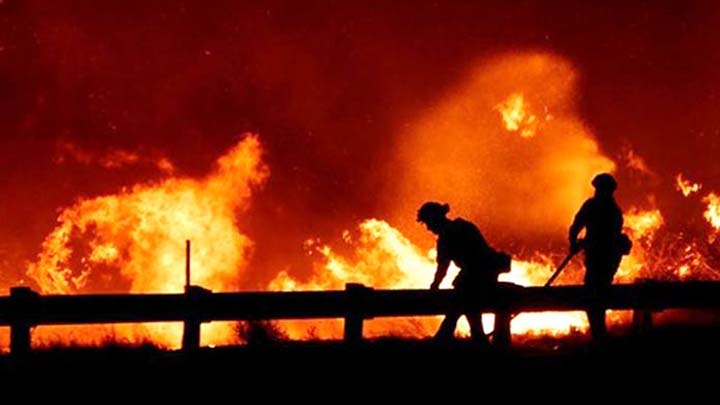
(24, 308)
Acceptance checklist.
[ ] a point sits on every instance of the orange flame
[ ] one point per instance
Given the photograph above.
(662, 255)
(641, 226)
(134, 241)
(712, 213)
(514, 112)
(384, 258)
(686, 187)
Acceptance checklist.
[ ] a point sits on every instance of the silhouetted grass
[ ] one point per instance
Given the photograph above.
(111, 341)
(260, 333)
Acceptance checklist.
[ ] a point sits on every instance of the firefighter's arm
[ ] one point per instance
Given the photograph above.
(440, 273)
(577, 226)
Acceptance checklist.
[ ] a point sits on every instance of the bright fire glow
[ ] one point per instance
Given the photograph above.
(686, 187)
(134, 241)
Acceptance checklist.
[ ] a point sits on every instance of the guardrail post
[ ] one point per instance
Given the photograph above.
(354, 318)
(192, 323)
(502, 336)
(642, 319)
(505, 294)
(23, 300)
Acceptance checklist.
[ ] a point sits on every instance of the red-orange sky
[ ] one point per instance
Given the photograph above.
(329, 86)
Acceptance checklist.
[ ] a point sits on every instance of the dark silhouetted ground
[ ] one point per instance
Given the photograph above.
(668, 357)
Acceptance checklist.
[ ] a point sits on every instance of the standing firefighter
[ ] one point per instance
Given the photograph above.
(604, 245)
(461, 242)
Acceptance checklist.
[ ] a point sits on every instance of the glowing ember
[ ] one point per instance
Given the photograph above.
(686, 187)
(134, 241)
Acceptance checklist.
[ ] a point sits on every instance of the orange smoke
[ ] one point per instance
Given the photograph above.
(113, 159)
(635, 162)
(134, 241)
(459, 152)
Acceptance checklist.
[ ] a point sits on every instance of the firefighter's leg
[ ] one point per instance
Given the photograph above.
(446, 331)
(598, 277)
(596, 317)
(477, 333)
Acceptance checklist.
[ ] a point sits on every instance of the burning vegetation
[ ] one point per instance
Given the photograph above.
(506, 134)
(134, 241)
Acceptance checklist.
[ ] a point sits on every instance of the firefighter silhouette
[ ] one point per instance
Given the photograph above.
(604, 245)
(461, 242)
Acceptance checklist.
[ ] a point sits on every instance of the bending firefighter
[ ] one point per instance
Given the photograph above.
(461, 242)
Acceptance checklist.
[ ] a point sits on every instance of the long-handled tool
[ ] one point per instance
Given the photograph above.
(561, 266)
(552, 278)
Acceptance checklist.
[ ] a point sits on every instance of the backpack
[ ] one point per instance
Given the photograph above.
(497, 262)
(624, 244)
(501, 261)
